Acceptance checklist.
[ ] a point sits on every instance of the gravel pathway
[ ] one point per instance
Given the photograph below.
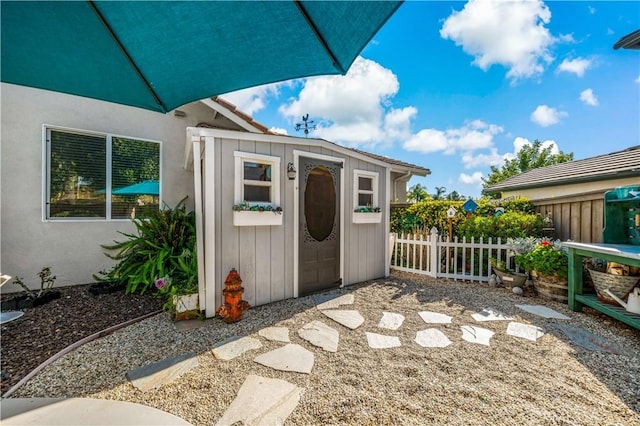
(512, 381)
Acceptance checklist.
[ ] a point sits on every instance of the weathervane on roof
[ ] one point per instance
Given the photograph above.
(306, 125)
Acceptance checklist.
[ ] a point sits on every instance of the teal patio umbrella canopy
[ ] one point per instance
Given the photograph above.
(161, 55)
(148, 187)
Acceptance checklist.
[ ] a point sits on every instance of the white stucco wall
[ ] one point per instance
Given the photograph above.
(72, 249)
(573, 189)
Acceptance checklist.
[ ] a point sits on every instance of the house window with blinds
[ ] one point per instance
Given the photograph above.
(95, 176)
(257, 179)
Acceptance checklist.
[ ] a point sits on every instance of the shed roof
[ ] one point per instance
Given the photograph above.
(625, 163)
(630, 41)
(253, 126)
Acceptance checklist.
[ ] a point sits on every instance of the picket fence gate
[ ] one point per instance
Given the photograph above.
(442, 258)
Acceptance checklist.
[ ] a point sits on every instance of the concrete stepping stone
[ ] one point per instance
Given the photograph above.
(524, 331)
(350, 319)
(234, 347)
(275, 334)
(590, 341)
(154, 375)
(319, 334)
(291, 357)
(345, 299)
(380, 341)
(478, 335)
(490, 315)
(435, 317)
(542, 311)
(432, 338)
(391, 321)
(262, 401)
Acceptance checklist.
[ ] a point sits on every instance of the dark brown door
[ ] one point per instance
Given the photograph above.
(319, 247)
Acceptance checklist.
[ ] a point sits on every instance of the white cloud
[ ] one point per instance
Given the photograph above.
(637, 80)
(592, 10)
(566, 38)
(278, 130)
(610, 31)
(253, 99)
(520, 142)
(577, 66)
(546, 116)
(509, 33)
(588, 97)
(471, 136)
(474, 178)
(472, 159)
(354, 109)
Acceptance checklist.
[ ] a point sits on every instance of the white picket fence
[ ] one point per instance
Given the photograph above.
(437, 257)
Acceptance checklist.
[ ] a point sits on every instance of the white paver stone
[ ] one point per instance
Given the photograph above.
(474, 334)
(350, 319)
(319, 334)
(391, 321)
(345, 299)
(291, 357)
(435, 317)
(432, 338)
(542, 311)
(490, 315)
(380, 341)
(234, 347)
(262, 401)
(276, 334)
(160, 373)
(524, 331)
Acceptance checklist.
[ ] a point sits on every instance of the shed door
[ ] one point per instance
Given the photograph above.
(319, 226)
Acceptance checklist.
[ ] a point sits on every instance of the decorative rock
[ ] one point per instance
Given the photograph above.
(262, 401)
(493, 282)
(517, 290)
(380, 341)
(391, 321)
(235, 346)
(350, 319)
(490, 315)
(153, 376)
(346, 299)
(434, 317)
(291, 357)
(478, 335)
(319, 334)
(524, 331)
(542, 311)
(275, 334)
(432, 338)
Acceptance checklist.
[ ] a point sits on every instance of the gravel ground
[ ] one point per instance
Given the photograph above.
(514, 381)
(45, 330)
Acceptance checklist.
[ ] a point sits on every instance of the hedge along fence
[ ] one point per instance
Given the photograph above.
(518, 220)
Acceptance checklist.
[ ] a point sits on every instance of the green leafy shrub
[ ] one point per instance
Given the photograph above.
(548, 258)
(161, 256)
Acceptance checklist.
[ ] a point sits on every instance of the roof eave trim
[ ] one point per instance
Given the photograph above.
(562, 182)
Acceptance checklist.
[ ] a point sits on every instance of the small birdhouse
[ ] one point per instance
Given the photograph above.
(498, 211)
(451, 213)
(470, 206)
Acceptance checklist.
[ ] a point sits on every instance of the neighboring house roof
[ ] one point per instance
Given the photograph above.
(630, 41)
(247, 122)
(625, 163)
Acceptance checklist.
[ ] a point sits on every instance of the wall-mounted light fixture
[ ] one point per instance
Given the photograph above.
(291, 171)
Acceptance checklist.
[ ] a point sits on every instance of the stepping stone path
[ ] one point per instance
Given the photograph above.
(435, 317)
(346, 299)
(153, 376)
(542, 311)
(380, 341)
(590, 341)
(524, 331)
(490, 315)
(262, 401)
(234, 347)
(391, 321)
(432, 338)
(291, 357)
(475, 334)
(350, 319)
(275, 334)
(319, 334)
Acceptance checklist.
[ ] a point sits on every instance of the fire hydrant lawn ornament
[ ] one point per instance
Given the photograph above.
(233, 306)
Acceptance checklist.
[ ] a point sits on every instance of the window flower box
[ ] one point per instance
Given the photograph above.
(367, 216)
(246, 215)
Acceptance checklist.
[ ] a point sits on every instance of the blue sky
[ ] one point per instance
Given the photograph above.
(459, 86)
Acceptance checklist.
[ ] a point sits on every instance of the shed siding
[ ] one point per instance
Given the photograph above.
(578, 219)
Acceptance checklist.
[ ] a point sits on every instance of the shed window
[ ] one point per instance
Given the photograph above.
(96, 176)
(257, 180)
(365, 185)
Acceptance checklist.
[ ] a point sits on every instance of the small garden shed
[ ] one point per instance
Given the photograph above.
(572, 194)
(292, 215)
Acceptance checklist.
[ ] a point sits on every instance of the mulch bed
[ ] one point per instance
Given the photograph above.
(45, 330)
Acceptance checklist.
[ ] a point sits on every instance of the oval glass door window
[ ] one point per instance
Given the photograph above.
(320, 203)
